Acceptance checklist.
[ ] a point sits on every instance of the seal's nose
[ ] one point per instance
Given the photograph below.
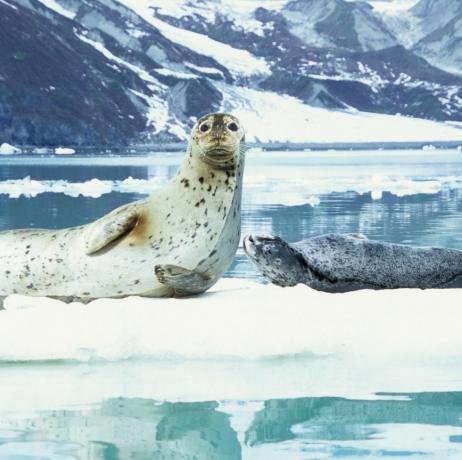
(218, 132)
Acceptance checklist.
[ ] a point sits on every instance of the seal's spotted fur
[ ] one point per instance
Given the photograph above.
(179, 241)
(341, 263)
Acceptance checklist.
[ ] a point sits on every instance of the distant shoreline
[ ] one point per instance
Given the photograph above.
(273, 146)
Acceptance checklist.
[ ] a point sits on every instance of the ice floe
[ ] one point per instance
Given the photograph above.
(64, 151)
(8, 149)
(264, 188)
(237, 320)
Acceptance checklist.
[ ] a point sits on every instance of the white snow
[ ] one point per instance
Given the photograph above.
(396, 14)
(242, 15)
(157, 114)
(237, 320)
(57, 8)
(239, 62)
(206, 70)
(175, 73)
(8, 149)
(268, 116)
(393, 6)
(64, 151)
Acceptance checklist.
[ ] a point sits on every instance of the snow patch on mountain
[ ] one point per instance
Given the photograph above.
(57, 8)
(238, 62)
(392, 6)
(243, 17)
(138, 70)
(270, 117)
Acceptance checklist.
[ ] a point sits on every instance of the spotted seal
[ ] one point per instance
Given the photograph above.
(341, 263)
(177, 242)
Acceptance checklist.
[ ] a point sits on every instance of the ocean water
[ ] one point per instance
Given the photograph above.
(410, 197)
(284, 407)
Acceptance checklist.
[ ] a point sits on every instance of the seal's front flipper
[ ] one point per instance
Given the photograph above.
(106, 230)
(183, 282)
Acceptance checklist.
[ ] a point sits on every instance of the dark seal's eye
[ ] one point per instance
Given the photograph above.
(232, 126)
(204, 127)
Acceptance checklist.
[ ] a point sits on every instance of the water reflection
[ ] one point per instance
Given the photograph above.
(320, 427)
(337, 419)
(125, 428)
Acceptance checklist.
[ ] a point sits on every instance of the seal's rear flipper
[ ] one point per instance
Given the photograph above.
(183, 282)
(110, 228)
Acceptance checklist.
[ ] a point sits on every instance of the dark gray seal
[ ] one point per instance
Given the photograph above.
(342, 263)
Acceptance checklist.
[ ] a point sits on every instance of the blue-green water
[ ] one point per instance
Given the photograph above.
(416, 425)
(276, 410)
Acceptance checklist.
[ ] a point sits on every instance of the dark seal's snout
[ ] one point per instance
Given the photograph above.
(274, 258)
(261, 243)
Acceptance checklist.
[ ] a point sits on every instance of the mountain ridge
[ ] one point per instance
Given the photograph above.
(101, 72)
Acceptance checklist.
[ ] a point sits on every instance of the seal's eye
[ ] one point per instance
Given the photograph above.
(204, 127)
(232, 126)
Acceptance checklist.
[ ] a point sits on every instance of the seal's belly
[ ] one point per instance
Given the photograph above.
(54, 263)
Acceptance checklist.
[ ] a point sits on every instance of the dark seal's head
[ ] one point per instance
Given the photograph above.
(276, 259)
(218, 139)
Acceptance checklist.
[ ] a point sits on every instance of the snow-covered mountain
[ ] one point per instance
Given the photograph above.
(442, 46)
(431, 28)
(96, 72)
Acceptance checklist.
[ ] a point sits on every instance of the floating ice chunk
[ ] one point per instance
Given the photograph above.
(40, 150)
(93, 188)
(8, 149)
(64, 151)
(25, 187)
(264, 188)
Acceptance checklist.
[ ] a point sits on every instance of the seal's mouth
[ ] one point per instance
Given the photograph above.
(220, 153)
(220, 157)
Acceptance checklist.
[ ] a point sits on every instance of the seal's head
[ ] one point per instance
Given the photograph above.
(218, 140)
(276, 259)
